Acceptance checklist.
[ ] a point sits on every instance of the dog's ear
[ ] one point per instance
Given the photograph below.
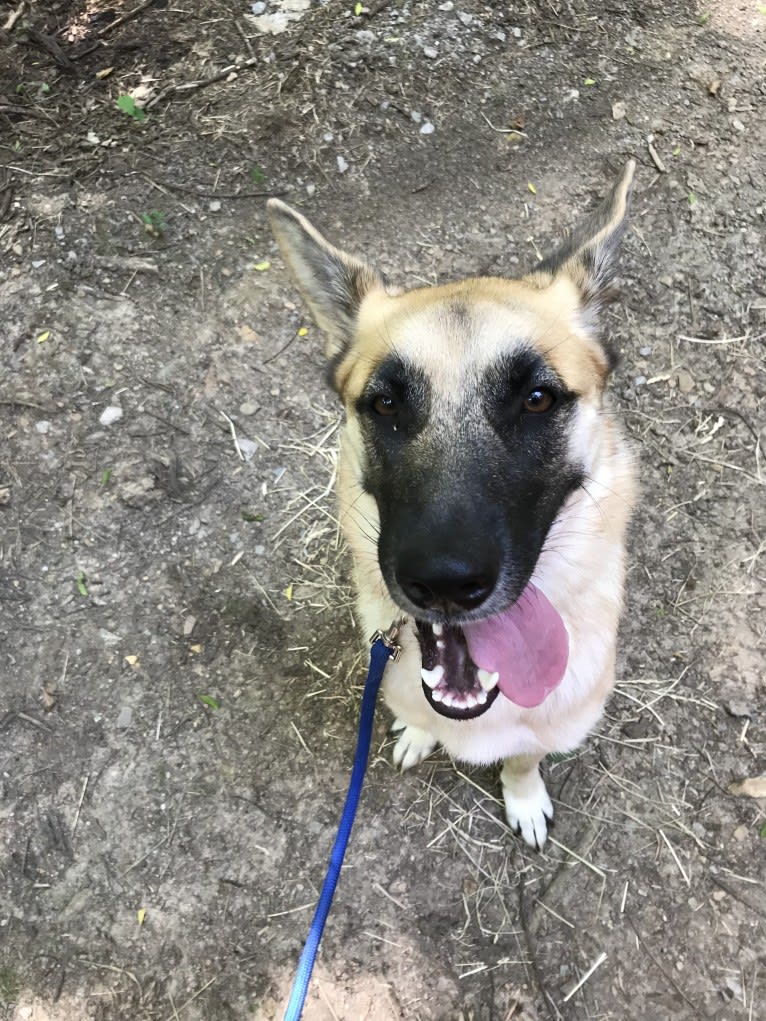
(588, 256)
(332, 282)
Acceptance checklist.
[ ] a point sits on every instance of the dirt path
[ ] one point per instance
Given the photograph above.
(178, 667)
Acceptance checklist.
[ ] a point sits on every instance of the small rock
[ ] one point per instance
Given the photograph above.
(342, 165)
(619, 110)
(447, 6)
(737, 124)
(328, 136)
(214, 206)
(42, 426)
(248, 447)
(5, 495)
(516, 33)
(685, 381)
(737, 708)
(258, 8)
(37, 263)
(125, 718)
(417, 116)
(248, 408)
(500, 35)
(311, 189)
(644, 351)
(431, 52)
(260, 550)
(110, 415)
(427, 129)
(639, 381)
(58, 230)
(465, 18)
(189, 624)
(364, 35)
(740, 833)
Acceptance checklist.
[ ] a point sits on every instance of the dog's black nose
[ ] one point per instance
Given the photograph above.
(444, 583)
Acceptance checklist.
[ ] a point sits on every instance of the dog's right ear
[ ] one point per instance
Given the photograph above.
(332, 282)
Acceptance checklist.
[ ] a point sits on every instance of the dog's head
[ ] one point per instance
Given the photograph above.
(471, 406)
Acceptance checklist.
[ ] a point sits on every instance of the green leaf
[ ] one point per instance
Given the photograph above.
(589, 81)
(692, 198)
(258, 175)
(127, 104)
(81, 583)
(105, 476)
(250, 516)
(358, 9)
(209, 701)
(703, 19)
(762, 830)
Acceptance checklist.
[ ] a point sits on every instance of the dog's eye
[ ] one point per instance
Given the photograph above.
(539, 400)
(383, 405)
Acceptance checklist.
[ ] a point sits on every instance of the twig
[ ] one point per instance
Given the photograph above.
(596, 964)
(503, 131)
(665, 974)
(656, 158)
(192, 998)
(14, 16)
(125, 17)
(233, 435)
(79, 803)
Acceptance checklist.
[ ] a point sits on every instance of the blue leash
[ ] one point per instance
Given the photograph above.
(383, 647)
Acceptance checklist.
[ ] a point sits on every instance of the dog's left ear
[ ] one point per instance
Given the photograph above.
(332, 282)
(588, 256)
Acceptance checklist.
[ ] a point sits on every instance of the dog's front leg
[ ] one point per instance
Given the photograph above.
(412, 745)
(527, 804)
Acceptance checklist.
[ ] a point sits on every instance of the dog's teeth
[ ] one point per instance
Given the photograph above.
(481, 697)
(438, 629)
(432, 677)
(440, 645)
(469, 700)
(487, 680)
(437, 695)
(448, 698)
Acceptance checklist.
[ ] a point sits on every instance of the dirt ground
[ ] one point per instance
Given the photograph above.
(179, 670)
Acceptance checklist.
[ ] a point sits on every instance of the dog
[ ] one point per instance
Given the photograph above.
(484, 490)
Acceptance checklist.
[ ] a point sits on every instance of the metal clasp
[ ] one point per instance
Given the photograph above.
(389, 637)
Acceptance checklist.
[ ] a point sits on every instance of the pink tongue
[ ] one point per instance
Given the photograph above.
(527, 645)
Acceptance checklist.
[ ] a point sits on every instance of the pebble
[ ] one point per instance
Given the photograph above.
(644, 351)
(189, 624)
(364, 35)
(427, 129)
(110, 415)
(685, 381)
(58, 230)
(431, 52)
(42, 426)
(465, 18)
(516, 33)
(214, 206)
(417, 116)
(125, 718)
(310, 189)
(258, 8)
(5, 495)
(260, 550)
(447, 6)
(639, 381)
(37, 263)
(248, 408)
(619, 111)
(737, 124)
(342, 165)
(248, 447)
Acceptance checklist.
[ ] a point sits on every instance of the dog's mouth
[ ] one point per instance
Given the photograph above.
(521, 653)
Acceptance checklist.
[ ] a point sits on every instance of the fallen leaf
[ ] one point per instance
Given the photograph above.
(141, 915)
(531, 187)
(248, 334)
(131, 660)
(302, 332)
(42, 337)
(289, 591)
(753, 787)
(209, 701)
(589, 81)
(104, 72)
(261, 267)
(196, 648)
(358, 9)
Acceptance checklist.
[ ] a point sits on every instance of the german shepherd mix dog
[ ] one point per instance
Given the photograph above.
(484, 490)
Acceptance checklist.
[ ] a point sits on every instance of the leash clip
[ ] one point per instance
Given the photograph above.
(389, 636)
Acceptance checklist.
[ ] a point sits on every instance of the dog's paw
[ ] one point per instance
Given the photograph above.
(528, 808)
(412, 746)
